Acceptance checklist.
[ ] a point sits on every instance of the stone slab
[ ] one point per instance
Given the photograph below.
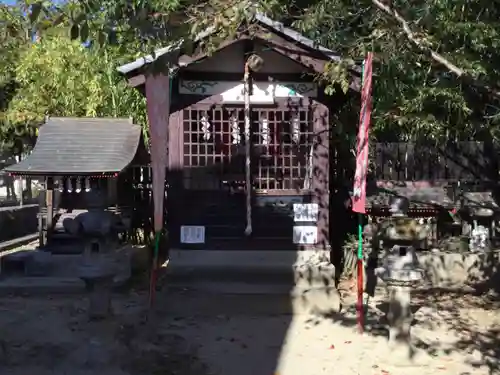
(280, 298)
(41, 285)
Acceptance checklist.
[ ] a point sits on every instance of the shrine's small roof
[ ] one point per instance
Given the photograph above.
(81, 146)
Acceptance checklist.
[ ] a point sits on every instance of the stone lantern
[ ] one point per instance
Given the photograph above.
(98, 229)
(400, 268)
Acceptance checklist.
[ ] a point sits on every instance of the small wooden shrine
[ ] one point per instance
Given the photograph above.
(287, 146)
(82, 162)
(428, 203)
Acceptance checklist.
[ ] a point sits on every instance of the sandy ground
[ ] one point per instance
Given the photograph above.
(193, 333)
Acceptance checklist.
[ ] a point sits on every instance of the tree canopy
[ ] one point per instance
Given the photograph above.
(437, 62)
(48, 74)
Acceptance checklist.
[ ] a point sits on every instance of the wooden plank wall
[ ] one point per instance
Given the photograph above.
(405, 161)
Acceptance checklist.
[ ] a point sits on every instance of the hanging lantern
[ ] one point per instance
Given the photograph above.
(205, 128)
(69, 185)
(87, 185)
(295, 129)
(235, 130)
(78, 185)
(264, 131)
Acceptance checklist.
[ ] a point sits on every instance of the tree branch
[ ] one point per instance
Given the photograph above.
(420, 44)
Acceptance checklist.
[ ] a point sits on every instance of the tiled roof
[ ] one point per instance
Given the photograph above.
(80, 146)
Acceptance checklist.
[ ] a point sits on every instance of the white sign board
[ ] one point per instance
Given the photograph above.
(305, 235)
(307, 212)
(192, 234)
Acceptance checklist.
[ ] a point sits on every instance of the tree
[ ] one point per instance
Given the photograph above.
(14, 37)
(436, 71)
(435, 75)
(60, 77)
(57, 76)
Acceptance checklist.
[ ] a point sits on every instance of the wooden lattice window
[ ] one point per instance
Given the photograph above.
(281, 149)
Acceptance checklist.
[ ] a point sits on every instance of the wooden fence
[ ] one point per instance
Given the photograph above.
(405, 161)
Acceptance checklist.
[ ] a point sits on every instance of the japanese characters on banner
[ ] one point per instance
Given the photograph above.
(359, 189)
(158, 105)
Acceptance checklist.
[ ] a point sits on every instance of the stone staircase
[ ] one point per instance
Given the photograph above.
(306, 278)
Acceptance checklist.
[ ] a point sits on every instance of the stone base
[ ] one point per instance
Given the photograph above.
(100, 289)
(399, 316)
(100, 302)
(403, 354)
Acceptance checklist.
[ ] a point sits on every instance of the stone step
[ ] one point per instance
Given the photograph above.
(305, 269)
(269, 297)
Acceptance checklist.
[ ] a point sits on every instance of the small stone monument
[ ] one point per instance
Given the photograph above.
(400, 270)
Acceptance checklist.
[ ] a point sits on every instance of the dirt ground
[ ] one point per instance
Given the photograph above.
(193, 333)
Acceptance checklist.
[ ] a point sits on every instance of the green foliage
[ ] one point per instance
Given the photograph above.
(436, 62)
(414, 95)
(57, 77)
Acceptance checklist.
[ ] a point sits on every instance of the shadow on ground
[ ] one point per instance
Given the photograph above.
(446, 323)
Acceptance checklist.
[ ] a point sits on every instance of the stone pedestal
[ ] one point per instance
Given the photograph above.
(99, 297)
(99, 283)
(399, 316)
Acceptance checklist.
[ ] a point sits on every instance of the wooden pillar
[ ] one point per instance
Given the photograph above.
(112, 192)
(41, 221)
(49, 202)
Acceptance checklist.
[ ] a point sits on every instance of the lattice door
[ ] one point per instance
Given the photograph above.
(214, 167)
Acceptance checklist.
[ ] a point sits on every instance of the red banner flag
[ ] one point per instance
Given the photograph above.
(158, 104)
(359, 190)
